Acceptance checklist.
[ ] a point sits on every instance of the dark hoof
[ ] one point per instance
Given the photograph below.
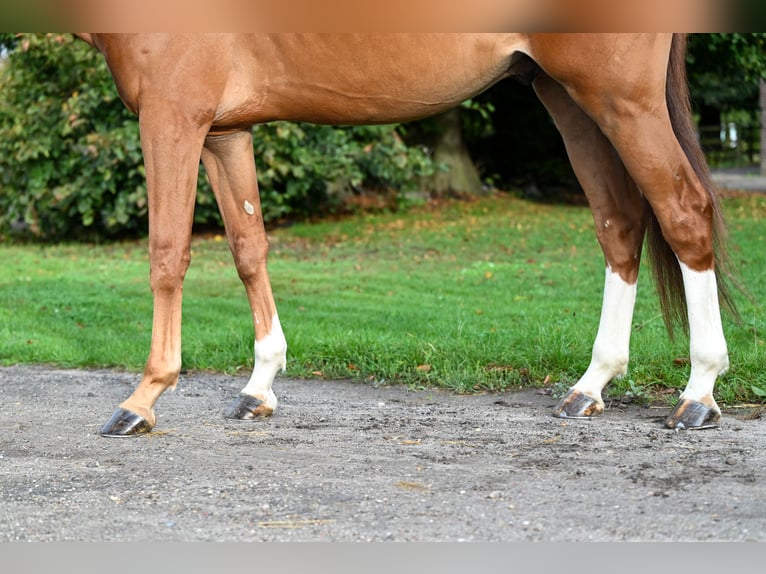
(693, 415)
(577, 405)
(246, 407)
(125, 423)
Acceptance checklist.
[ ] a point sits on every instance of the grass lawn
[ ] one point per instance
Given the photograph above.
(482, 295)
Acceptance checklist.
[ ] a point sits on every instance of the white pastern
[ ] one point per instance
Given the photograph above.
(707, 344)
(270, 358)
(611, 348)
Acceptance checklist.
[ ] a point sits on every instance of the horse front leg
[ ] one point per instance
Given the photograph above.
(230, 165)
(619, 213)
(171, 150)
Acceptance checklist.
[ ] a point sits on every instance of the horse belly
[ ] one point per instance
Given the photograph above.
(361, 79)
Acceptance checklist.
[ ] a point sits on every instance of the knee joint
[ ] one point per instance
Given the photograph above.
(168, 268)
(249, 256)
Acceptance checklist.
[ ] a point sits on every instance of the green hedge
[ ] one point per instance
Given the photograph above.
(71, 164)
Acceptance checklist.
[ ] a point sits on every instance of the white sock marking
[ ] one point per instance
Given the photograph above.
(707, 345)
(270, 358)
(611, 349)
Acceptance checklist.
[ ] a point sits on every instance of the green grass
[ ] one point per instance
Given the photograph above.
(472, 296)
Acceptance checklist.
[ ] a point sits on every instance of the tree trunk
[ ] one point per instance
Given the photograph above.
(461, 176)
(763, 127)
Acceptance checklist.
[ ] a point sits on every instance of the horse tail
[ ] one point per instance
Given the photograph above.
(665, 268)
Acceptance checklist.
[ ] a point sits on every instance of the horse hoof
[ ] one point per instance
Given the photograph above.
(125, 423)
(246, 407)
(690, 414)
(577, 405)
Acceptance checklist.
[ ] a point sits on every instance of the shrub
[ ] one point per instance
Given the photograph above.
(71, 163)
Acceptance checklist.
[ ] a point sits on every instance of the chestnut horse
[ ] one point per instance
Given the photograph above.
(620, 102)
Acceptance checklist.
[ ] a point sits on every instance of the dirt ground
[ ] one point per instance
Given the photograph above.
(341, 461)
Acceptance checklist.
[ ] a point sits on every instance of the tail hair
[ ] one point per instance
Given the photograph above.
(665, 267)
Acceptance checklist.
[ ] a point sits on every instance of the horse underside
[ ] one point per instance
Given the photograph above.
(619, 101)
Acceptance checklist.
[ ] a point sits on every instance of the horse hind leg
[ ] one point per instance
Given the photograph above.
(230, 166)
(686, 210)
(619, 214)
(645, 125)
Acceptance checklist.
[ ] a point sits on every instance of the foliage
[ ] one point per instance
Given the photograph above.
(724, 69)
(729, 52)
(71, 164)
(67, 146)
(297, 160)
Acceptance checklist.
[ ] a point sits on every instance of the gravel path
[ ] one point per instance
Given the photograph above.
(344, 462)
